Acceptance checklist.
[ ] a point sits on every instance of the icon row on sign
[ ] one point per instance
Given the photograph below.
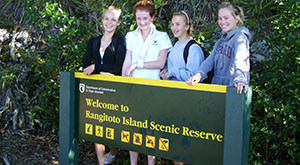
(137, 138)
(149, 140)
(109, 132)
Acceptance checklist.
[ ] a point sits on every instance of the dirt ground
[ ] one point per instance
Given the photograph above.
(28, 147)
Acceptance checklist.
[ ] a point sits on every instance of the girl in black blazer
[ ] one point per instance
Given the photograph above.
(105, 55)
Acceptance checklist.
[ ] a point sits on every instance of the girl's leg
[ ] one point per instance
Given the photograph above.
(178, 163)
(100, 149)
(133, 157)
(151, 160)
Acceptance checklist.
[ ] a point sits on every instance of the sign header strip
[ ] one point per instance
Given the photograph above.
(152, 82)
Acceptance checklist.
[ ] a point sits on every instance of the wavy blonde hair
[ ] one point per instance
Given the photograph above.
(237, 12)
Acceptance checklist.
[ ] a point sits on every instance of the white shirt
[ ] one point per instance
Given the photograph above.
(147, 50)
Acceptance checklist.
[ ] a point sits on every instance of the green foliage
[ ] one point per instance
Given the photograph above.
(63, 28)
(275, 118)
(65, 37)
(128, 20)
(260, 9)
(8, 76)
(202, 12)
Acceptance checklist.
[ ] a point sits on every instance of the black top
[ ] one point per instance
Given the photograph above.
(113, 58)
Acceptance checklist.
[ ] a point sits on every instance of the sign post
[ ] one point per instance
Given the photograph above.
(68, 131)
(203, 124)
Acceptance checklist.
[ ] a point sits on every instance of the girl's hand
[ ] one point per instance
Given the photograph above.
(240, 87)
(107, 73)
(164, 74)
(89, 70)
(194, 79)
(131, 69)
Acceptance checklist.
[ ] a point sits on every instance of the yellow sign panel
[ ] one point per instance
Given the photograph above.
(110, 132)
(88, 129)
(125, 136)
(99, 131)
(164, 144)
(150, 141)
(137, 139)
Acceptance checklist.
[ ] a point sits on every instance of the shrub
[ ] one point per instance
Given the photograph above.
(64, 39)
(275, 114)
(62, 29)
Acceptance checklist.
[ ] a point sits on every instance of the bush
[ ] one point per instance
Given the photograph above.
(62, 29)
(275, 121)
(64, 39)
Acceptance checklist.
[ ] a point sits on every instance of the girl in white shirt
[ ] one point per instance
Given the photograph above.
(147, 47)
(146, 52)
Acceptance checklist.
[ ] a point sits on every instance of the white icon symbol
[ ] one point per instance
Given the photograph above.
(81, 88)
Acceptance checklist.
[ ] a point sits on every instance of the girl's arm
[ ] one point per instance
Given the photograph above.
(195, 58)
(241, 76)
(157, 64)
(88, 67)
(127, 63)
(241, 60)
(208, 63)
(205, 67)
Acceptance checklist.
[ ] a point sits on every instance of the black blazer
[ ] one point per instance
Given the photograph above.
(113, 58)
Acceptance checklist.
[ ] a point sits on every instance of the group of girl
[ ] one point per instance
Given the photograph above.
(143, 54)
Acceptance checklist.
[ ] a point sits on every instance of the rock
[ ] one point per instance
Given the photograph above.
(259, 51)
(19, 40)
(23, 38)
(4, 35)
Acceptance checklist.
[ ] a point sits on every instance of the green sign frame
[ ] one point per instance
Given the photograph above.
(203, 124)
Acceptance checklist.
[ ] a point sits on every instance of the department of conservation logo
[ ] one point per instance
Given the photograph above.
(81, 87)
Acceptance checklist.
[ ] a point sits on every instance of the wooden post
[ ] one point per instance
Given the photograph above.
(237, 127)
(68, 131)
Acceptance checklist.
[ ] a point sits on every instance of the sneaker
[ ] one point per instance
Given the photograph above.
(109, 158)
